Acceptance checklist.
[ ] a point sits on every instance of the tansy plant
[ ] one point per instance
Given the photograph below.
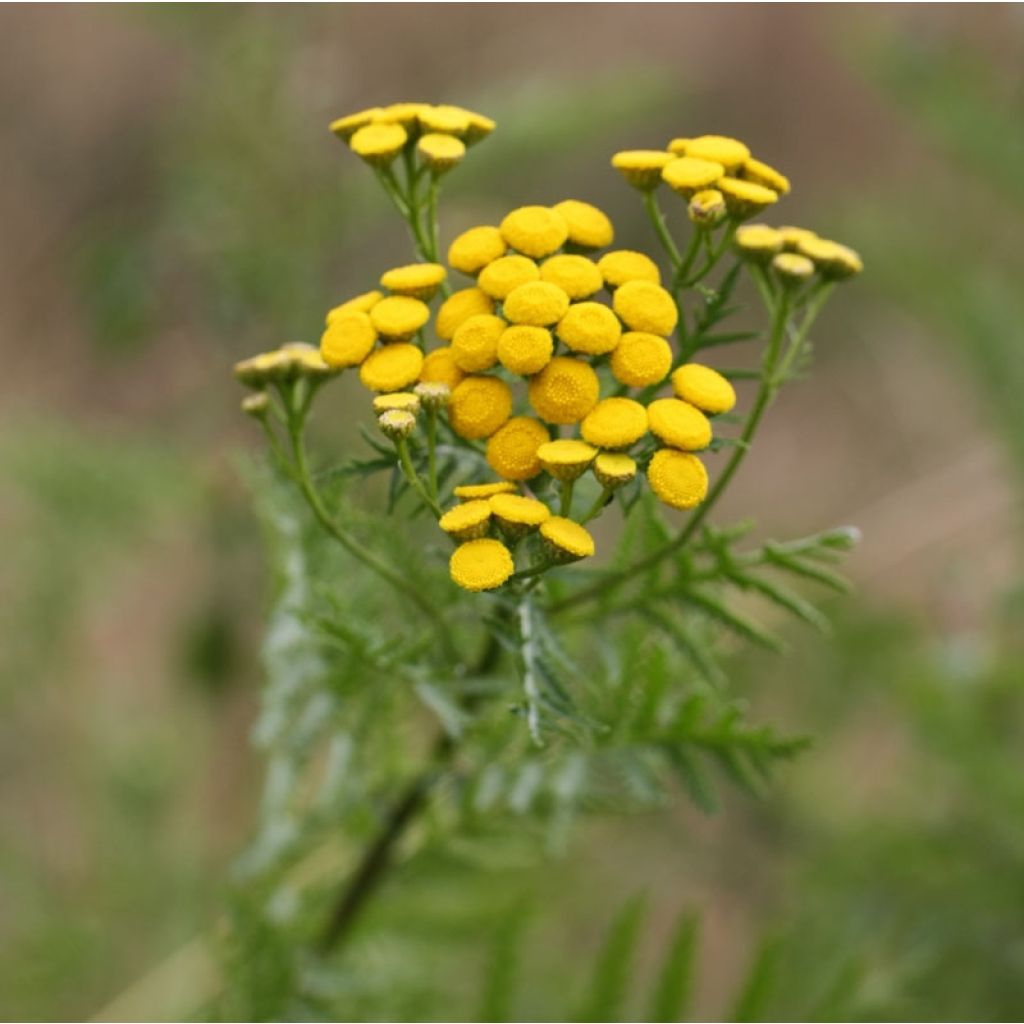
(533, 384)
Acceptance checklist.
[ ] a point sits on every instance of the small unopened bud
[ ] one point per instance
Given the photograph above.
(707, 208)
(404, 400)
(256, 405)
(396, 424)
(433, 394)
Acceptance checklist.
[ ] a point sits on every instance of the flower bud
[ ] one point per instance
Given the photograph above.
(396, 424)
(433, 395)
(707, 208)
(256, 405)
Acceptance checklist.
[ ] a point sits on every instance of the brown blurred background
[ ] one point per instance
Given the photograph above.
(172, 201)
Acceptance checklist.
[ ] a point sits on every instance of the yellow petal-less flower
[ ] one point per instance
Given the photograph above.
(396, 424)
(475, 343)
(792, 237)
(614, 469)
(792, 268)
(641, 359)
(564, 391)
(379, 144)
(705, 388)
(444, 119)
(589, 227)
(479, 406)
(525, 350)
(404, 400)
(535, 231)
(590, 328)
(481, 564)
(677, 478)
(615, 423)
(642, 167)
(468, 492)
(745, 198)
(643, 306)
(480, 126)
(433, 394)
(730, 153)
(504, 274)
(512, 449)
(460, 306)
(567, 458)
(764, 174)
(624, 265)
(440, 152)
(392, 368)
(405, 114)
(566, 541)
(417, 280)
(399, 317)
(758, 242)
(439, 368)
(259, 370)
(678, 146)
(679, 424)
(577, 276)
(833, 260)
(471, 251)
(348, 340)
(707, 208)
(537, 303)
(345, 127)
(515, 513)
(687, 175)
(359, 304)
(468, 520)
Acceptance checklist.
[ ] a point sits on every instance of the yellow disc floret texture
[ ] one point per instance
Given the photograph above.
(505, 273)
(399, 317)
(678, 478)
(512, 449)
(577, 276)
(565, 390)
(481, 564)
(567, 540)
(348, 340)
(439, 368)
(392, 367)
(643, 306)
(524, 349)
(475, 342)
(589, 227)
(460, 306)
(624, 265)
(537, 303)
(478, 406)
(475, 248)
(679, 424)
(615, 423)
(641, 359)
(705, 388)
(535, 231)
(590, 328)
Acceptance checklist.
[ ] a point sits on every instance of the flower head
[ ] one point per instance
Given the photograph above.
(615, 423)
(399, 317)
(706, 208)
(525, 350)
(643, 306)
(589, 227)
(763, 174)
(440, 152)
(834, 261)
(564, 391)
(468, 520)
(348, 340)
(418, 280)
(379, 144)
(535, 231)
(512, 448)
(433, 394)
(745, 198)
(475, 342)
(359, 304)
(758, 242)
(345, 127)
(475, 248)
(396, 424)
(730, 153)
(459, 306)
(567, 458)
(392, 367)
(590, 328)
(404, 400)
(679, 424)
(792, 268)
(677, 478)
(481, 564)
(439, 367)
(688, 175)
(703, 387)
(577, 276)
(642, 167)
(479, 406)
(537, 303)
(566, 541)
(641, 359)
(516, 514)
(614, 469)
(506, 273)
(444, 119)
(624, 265)
(467, 492)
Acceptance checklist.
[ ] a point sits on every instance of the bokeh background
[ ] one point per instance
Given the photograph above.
(172, 201)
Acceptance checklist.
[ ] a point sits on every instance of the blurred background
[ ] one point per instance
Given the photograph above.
(173, 201)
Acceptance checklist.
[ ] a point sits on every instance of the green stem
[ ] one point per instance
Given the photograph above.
(402, 447)
(598, 506)
(432, 451)
(565, 505)
(765, 394)
(657, 219)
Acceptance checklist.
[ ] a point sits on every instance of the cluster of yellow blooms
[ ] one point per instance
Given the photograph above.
(584, 328)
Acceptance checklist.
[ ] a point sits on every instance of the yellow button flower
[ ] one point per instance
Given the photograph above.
(615, 423)
(475, 343)
(792, 237)
(504, 274)
(641, 359)
(460, 306)
(359, 304)
(679, 424)
(642, 167)
(481, 564)
(306, 360)
(480, 126)
(566, 541)
(833, 260)
(440, 152)
(392, 367)
(577, 276)
(399, 317)
(705, 388)
(677, 478)
(564, 391)
(512, 449)
(405, 114)
(763, 174)
(396, 424)
(707, 208)
(624, 265)
(379, 144)
(525, 350)
(404, 400)
(467, 492)
(439, 368)
(678, 146)
(589, 227)
(730, 153)
(467, 521)
(258, 370)
(517, 514)
(758, 242)
(537, 303)
(687, 175)
(433, 394)
(614, 469)
(567, 458)
(471, 251)
(745, 198)
(345, 127)
(643, 306)
(590, 328)
(348, 340)
(535, 231)
(445, 119)
(792, 268)
(479, 406)
(417, 280)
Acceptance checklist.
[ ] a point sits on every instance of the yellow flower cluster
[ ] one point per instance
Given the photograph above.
(439, 135)
(795, 254)
(290, 362)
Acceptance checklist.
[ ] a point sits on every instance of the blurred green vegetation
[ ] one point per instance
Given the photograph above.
(880, 881)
